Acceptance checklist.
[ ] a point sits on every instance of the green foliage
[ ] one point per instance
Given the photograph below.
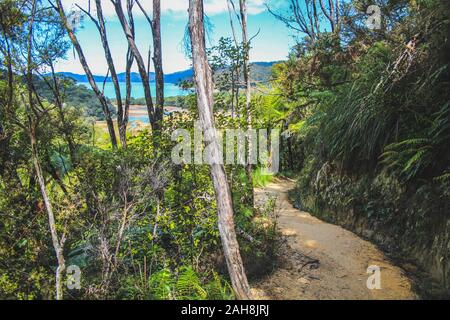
(261, 177)
(373, 135)
(75, 96)
(181, 284)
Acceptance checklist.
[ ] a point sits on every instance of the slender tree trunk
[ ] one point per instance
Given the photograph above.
(157, 60)
(120, 111)
(140, 64)
(129, 64)
(248, 94)
(316, 17)
(204, 89)
(233, 83)
(66, 129)
(58, 244)
(235, 72)
(328, 14)
(10, 75)
(5, 112)
(88, 72)
(230, 6)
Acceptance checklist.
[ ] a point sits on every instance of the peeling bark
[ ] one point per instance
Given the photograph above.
(204, 89)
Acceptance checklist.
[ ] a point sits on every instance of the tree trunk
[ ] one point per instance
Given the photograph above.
(5, 113)
(120, 111)
(88, 72)
(129, 64)
(66, 129)
(204, 89)
(248, 94)
(57, 243)
(157, 60)
(140, 63)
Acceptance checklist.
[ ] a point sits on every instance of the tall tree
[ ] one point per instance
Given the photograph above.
(140, 64)
(12, 18)
(157, 60)
(121, 116)
(33, 115)
(248, 94)
(129, 63)
(49, 50)
(205, 101)
(73, 38)
(101, 27)
(155, 25)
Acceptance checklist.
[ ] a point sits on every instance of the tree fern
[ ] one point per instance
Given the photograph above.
(188, 286)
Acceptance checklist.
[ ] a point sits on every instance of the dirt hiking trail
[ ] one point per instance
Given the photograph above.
(324, 261)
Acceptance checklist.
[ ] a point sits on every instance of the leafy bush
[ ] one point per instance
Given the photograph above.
(182, 284)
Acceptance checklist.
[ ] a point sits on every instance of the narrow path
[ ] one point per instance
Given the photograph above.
(324, 261)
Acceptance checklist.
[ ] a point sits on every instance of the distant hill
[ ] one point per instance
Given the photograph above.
(179, 76)
(135, 77)
(260, 71)
(80, 77)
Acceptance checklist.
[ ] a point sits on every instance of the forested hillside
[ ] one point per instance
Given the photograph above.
(74, 95)
(260, 72)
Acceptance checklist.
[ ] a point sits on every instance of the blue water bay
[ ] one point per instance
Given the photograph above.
(137, 89)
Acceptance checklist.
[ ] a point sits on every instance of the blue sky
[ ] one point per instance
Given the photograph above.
(272, 43)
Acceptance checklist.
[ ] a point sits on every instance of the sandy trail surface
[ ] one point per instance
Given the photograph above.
(324, 261)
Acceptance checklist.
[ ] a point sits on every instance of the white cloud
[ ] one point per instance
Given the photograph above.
(212, 7)
(220, 6)
(175, 14)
